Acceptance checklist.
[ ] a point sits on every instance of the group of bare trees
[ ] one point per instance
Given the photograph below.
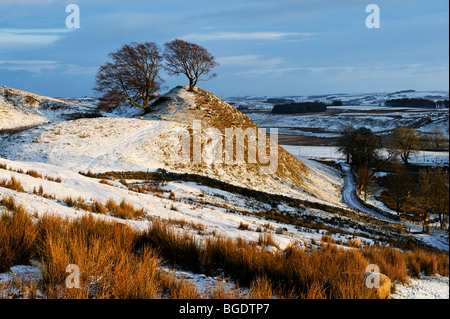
(421, 196)
(406, 142)
(420, 193)
(427, 195)
(133, 74)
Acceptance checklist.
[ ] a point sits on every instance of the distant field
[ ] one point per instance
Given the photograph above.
(322, 129)
(329, 152)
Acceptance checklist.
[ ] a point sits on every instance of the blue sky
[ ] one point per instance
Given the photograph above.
(273, 48)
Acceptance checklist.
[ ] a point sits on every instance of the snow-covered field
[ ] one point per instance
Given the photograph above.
(353, 99)
(332, 122)
(437, 158)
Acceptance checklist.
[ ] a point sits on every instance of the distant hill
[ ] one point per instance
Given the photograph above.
(348, 98)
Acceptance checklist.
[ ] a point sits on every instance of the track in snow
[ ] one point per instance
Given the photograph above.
(351, 198)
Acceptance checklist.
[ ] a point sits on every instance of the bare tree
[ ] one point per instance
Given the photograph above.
(345, 143)
(399, 186)
(132, 75)
(361, 146)
(434, 194)
(189, 59)
(439, 140)
(365, 179)
(405, 142)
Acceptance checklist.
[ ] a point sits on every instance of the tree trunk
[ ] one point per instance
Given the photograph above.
(426, 228)
(192, 83)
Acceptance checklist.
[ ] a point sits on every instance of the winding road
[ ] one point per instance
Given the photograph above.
(352, 199)
(436, 239)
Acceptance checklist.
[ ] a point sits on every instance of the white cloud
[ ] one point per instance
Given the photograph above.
(37, 66)
(246, 36)
(258, 65)
(26, 2)
(250, 60)
(26, 37)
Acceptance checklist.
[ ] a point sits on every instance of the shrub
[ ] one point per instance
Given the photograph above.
(243, 226)
(13, 184)
(34, 174)
(266, 240)
(123, 210)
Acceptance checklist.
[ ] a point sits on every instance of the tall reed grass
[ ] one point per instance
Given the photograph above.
(116, 261)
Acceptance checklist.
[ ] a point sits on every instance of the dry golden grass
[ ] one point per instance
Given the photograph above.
(391, 261)
(34, 174)
(261, 288)
(111, 267)
(13, 184)
(105, 253)
(17, 235)
(119, 262)
(266, 240)
(175, 288)
(243, 226)
(398, 265)
(185, 223)
(326, 273)
(123, 210)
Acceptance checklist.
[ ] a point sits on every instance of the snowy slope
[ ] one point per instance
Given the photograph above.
(134, 144)
(20, 109)
(213, 216)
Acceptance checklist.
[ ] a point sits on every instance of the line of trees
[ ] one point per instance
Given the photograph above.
(300, 107)
(362, 147)
(133, 72)
(416, 102)
(286, 106)
(419, 194)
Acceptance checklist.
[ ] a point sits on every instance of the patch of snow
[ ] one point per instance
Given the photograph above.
(428, 287)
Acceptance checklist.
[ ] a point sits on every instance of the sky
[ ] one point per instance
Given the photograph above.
(264, 47)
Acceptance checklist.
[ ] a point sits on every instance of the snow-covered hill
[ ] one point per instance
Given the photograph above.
(19, 109)
(146, 143)
(57, 148)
